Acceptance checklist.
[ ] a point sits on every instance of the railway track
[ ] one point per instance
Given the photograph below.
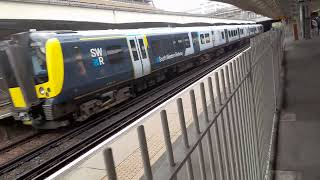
(48, 158)
(25, 144)
(16, 142)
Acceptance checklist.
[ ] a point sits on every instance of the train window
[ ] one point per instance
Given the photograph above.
(229, 33)
(222, 35)
(166, 46)
(180, 44)
(79, 61)
(143, 49)
(186, 42)
(156, 47)
(207, 36)
(115, 54)
(134, 50)
(212, 36)
(202, 39)
(177, 44)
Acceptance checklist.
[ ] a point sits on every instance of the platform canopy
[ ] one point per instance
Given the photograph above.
(272, 8)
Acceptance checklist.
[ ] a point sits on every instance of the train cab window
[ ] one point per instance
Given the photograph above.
(134, 50)
(187, 42)
(222, 35)
(202, 39)
(115, 54)
(207, 36)
(39, 64)
(143, 49)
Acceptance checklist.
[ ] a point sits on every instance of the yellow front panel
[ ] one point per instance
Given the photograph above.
(17, 97)
(55, 68)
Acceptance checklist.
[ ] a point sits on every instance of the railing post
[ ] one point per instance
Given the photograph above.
(109, 162)
(185, 136)
(198, 132)
(227, 123)
(224, 136)
(144, 153)
(216, 130)
(167, 139)
(254, 115)
(233, 121)
(206, 118)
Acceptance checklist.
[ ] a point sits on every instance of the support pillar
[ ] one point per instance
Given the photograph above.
(305, 20)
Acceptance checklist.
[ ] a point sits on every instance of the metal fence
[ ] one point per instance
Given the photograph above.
(232, 135)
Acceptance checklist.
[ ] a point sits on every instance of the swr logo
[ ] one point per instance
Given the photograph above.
(97, 57)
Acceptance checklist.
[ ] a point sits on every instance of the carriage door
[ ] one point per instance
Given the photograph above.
(139, 56)
(226, 35)
(195, 42)
(143, 49)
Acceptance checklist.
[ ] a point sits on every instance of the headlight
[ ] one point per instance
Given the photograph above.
(42, 91)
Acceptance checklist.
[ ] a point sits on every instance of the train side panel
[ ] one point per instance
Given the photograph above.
(93, 65)
(166, 50)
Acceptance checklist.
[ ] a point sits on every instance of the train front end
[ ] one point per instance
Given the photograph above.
(32, 69)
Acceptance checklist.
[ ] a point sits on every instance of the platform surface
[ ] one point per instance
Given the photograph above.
(299, 128)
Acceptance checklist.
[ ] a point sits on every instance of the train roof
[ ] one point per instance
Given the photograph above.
(68, 35)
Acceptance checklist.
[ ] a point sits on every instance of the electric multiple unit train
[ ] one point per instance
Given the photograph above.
(53, 77)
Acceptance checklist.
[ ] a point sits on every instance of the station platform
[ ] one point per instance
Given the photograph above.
(299, 126)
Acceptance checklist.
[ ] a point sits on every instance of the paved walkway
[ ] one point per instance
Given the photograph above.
(299, 134)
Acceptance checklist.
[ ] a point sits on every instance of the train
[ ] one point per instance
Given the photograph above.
(55, 77)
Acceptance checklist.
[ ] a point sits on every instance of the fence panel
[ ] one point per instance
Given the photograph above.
(219, 128)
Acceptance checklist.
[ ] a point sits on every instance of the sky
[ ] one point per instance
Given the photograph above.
(177, 5)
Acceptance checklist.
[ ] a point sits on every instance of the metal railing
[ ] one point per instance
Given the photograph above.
(221, 127)
(232, 137)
